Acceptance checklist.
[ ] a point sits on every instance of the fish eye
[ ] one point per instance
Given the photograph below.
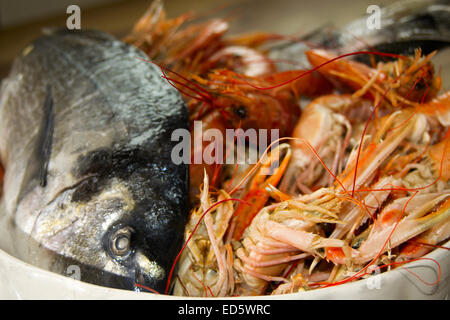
(120, 242)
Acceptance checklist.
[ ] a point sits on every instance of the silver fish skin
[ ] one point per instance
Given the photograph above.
(404, 26)
(85, 138)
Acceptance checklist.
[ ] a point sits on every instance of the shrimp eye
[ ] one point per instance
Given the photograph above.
(241, 112)
(120, 242)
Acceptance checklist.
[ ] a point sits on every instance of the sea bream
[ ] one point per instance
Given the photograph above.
(85, 139)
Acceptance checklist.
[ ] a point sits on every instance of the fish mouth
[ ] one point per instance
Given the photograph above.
(149, 275)
(140, 273)
(94, 275)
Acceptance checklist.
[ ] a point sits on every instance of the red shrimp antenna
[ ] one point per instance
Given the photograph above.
(396, 263)
(205, 287)
(321, 65)
(310, 147)
(182, 285)
(146, 288)
(203, 94)
(199, 90)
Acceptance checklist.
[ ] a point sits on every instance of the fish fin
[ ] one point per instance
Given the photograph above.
(45, 141)
(37, 168)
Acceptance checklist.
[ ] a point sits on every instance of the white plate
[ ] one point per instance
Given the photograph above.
(19, 280)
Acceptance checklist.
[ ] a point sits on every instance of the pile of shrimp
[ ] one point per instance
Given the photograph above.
(359, 178)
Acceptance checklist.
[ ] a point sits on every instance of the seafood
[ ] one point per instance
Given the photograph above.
(206, 267)
(329, 124)
(363, 177)
(332, 123)
(406, 204)
(256, 195)
(405, 81)
(404, 26)
(360, 179)
(389, 186)
(213, 74)
(424, 243)
(295, 234)
(85, 129)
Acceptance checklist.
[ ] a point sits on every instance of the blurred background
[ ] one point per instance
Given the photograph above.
(22, 20)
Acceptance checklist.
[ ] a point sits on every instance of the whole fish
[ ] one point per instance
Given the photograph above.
(85, 139)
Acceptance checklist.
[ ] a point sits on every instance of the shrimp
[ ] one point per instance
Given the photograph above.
(240, 107)
(428, 176)
(364, 177)
(171, 42)
(394, 224)
(384, 210)
(399, 76)
(257, 195)
(327, 123)
(332, 123)
(189, 47)
(282, 233)
(424, 243)
(205, 268)
(245, 107)
(388, 215)
(234, 104)
(217, 78)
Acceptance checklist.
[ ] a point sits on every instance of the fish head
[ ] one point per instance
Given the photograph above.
(122, 223)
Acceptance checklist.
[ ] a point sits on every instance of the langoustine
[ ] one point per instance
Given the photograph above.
(218, 78)
(352, 185)
(400, 193)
